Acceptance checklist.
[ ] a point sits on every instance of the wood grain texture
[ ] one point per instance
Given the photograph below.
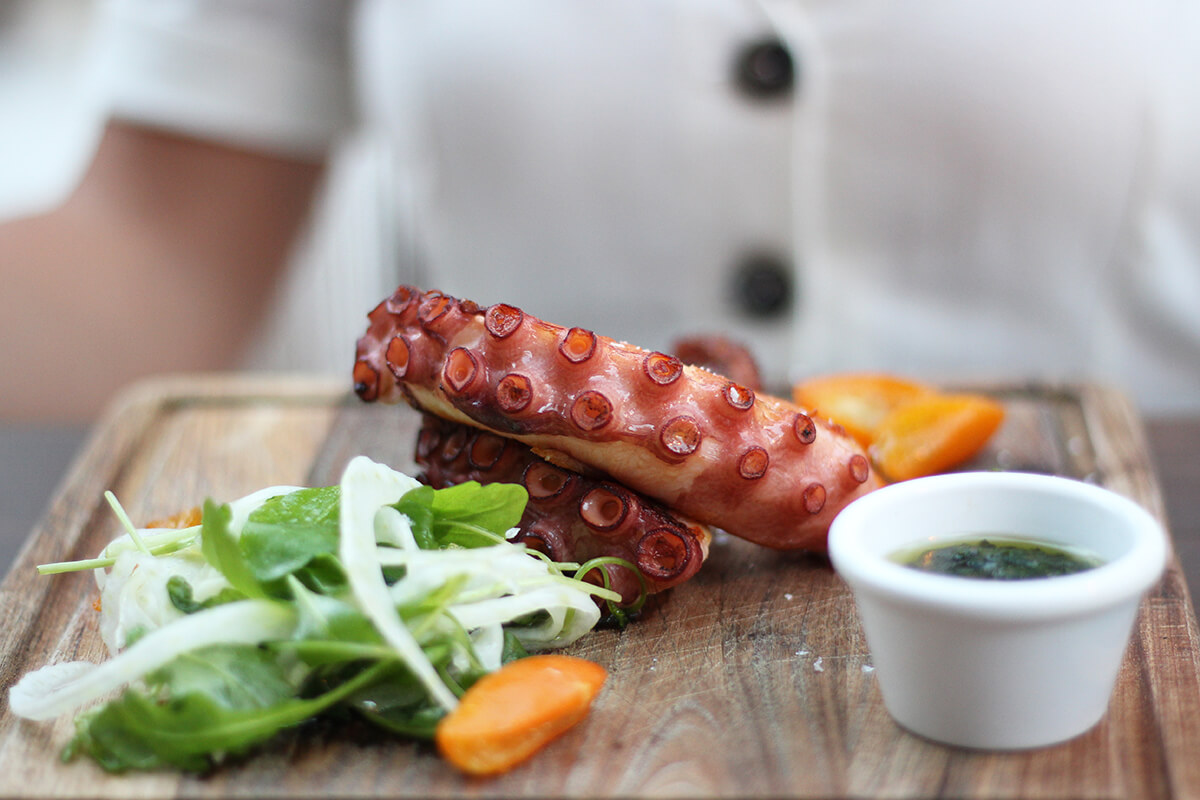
(1174, 441)
(752, 680)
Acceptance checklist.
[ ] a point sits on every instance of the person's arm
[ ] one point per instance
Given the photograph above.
(161, 261)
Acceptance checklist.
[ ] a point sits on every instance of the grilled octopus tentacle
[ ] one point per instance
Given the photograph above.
(569, 517)
(722, 356)
(724, 455)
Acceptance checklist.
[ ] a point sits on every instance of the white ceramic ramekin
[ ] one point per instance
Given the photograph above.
(997, 664)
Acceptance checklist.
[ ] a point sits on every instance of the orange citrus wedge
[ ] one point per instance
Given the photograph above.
(859, 402)
(934, 433)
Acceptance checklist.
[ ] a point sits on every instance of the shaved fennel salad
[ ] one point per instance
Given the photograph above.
(379, 595)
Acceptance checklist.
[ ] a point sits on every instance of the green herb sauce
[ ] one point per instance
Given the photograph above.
(997, 558)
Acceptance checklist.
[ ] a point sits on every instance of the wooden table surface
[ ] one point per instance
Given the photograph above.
(1174, 444)
(752, 680)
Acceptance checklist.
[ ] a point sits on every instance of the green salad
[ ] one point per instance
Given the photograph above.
(378, 595)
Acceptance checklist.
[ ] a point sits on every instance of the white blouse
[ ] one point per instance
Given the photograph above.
(942, 189)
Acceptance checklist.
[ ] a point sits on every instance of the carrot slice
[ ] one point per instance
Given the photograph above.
(510, 714)
(859, 402)
(934, 433)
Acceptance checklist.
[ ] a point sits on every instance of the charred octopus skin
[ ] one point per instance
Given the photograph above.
(569, 517)
(714, 450)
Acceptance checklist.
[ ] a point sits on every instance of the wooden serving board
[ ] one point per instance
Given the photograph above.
(752, 680)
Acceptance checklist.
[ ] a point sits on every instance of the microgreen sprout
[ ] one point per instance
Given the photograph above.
(126, 523)
(619, 614)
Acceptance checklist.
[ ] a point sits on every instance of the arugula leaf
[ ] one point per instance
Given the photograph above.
(286, 532)
(275, 550)
(513, 649)
(496, 507)
(417, 505)
(318, 506)
(234, 676)
(220, 549)
(139, 731)
(323, 574)
(466, 515)
(206, 690)
(400, 706)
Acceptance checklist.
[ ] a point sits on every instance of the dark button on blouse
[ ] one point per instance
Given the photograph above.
(764, 69)
(762, 286)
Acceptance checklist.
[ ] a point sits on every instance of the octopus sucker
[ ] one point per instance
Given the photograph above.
(753, 463)
(485, 451)
(577, 345)
(453, 445)
(663, 552)
(662, 369)
(680, 436)
(545, 481)
(366, 381)
(712, 448)
(514, 393)
(591, 411)
(398, 301)
(397, 356)
(502, 320)
(433, 306)
(604, 508)
(860, 468)
(814, 498)
(545, 540)
(804, 428)
(460, 370)
(738, 397)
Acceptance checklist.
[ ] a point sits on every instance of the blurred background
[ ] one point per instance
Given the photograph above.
(44, 148)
